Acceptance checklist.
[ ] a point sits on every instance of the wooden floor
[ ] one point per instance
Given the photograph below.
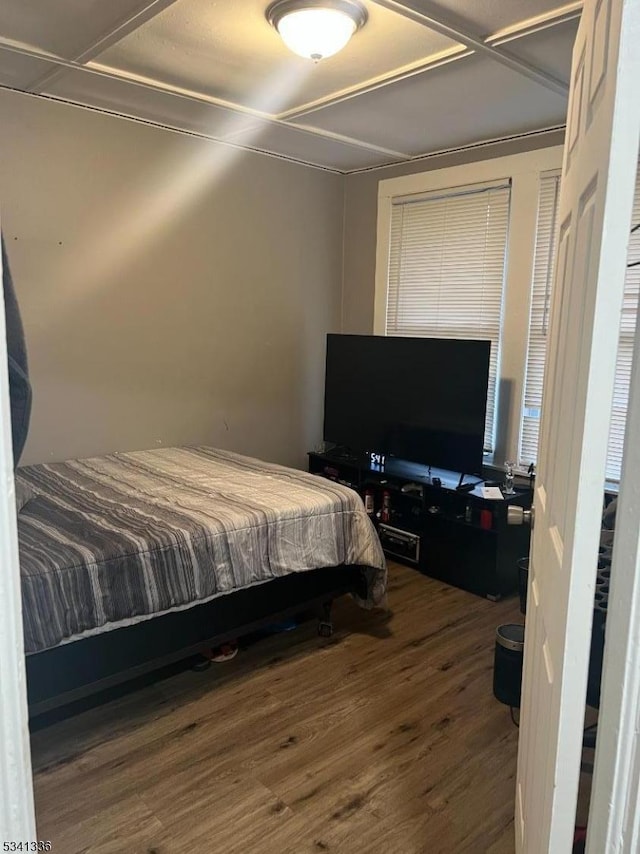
(384, 739)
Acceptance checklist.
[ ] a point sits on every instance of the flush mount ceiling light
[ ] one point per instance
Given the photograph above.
(315, 30)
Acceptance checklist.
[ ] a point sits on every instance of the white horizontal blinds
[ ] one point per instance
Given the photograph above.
(625, 347)
(543, 272)
(446, 270)
(540, 301)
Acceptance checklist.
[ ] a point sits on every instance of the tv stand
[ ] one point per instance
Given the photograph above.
(455, 535)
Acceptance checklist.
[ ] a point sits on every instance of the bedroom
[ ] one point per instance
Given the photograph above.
(136, 227)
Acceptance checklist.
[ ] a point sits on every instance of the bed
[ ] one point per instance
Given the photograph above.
(136, 559)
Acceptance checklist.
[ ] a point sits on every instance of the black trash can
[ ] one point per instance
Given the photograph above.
(507, 665)
(523, 582)
(597, 654)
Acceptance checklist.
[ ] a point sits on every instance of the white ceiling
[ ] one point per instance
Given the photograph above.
(419, 77)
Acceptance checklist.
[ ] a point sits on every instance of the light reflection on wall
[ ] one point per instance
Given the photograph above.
(117, 233)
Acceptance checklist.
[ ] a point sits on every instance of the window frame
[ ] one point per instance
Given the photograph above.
(523, 170)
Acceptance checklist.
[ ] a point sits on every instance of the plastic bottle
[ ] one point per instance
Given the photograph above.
(369, 502)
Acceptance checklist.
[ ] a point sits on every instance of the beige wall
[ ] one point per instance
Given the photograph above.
(173, 290)
(177, 291)
(361, 208)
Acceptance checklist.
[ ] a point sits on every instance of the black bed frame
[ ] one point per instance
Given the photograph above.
(73, 671)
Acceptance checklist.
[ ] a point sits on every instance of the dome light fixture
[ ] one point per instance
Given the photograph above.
(316, 29)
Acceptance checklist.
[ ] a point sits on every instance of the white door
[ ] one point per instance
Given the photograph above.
(601, 150)
(17, 821)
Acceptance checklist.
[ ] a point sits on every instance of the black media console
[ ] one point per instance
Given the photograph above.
(459, 537)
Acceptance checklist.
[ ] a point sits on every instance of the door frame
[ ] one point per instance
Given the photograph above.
(614, 820)
(17, 818)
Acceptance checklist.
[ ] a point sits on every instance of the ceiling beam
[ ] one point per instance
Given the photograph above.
(467, 44)
(542, 133)
(111, 36)
(121, 76)
(254, 118)
(551, 18)
(178, 130)
(414, 12)
(528, 27)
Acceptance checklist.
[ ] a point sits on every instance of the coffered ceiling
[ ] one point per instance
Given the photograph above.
(419, 77)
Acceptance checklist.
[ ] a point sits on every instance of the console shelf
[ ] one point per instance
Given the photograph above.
(459, 537)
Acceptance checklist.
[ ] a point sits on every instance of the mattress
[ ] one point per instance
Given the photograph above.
(113, 540)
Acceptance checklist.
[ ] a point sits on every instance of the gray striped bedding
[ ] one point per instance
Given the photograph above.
(114, 540)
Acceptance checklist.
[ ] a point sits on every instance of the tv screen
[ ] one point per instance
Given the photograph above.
(419, 399)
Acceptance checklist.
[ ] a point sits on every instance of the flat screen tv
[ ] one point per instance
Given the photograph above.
(418, 399)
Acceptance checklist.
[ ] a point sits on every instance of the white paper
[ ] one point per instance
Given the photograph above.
(492, 492)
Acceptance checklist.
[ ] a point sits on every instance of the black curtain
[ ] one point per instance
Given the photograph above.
(19, 385)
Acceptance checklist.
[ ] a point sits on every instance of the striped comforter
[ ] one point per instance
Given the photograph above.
(113, 540)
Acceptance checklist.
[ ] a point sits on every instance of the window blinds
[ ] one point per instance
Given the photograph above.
(625, 347)
(543, 272)
(447, 256)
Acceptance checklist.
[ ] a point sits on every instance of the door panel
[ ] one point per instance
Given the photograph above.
(594, 216)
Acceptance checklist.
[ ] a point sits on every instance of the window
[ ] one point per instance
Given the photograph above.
(447, 252)
(543, 272)
(625, 346)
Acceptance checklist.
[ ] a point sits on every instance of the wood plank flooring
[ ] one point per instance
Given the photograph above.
(384, 739)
